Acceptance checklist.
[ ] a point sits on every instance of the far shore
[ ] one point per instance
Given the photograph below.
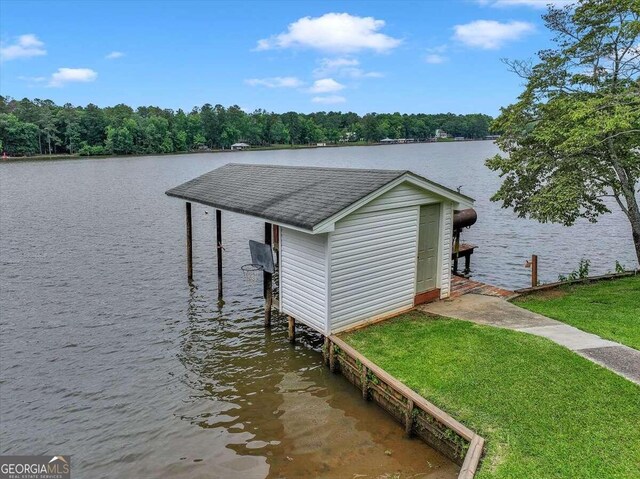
(253, 148)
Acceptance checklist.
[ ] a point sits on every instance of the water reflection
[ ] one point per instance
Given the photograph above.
(279, 407)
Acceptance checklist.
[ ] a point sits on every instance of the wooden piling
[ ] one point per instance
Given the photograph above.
(534, 270)
(325, 351)
(332, 357)
(189, 244)
(292, 329)
(364, 383)
(219, 250)
(456, 250)
(408, 424)
(267, 279)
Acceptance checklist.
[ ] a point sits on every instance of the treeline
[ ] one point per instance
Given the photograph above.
(40, 127)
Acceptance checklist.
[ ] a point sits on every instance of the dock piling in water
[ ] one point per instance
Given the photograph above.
(292, 329)
(189, 244)
(219, 250)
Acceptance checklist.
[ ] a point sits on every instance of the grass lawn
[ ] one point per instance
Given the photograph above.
(544, 411)
(610, 309)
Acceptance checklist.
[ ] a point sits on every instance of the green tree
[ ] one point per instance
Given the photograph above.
(120, 140)
(18, 137)
(573, 138)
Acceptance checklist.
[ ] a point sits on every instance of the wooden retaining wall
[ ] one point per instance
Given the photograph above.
(419, 416)
(589, 279)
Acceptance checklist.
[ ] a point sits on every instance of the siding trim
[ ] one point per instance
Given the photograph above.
(328, 256)
(445, 246)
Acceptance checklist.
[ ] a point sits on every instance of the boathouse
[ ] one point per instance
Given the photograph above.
(240, 146)
(355, 245)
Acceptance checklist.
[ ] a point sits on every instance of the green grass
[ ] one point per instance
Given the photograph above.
(544, 411)
(610, 309)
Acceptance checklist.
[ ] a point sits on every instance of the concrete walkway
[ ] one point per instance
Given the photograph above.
(496, 311)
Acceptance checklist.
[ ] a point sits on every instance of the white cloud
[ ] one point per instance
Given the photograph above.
(114, 55)
(275, 82)
(336, 63)
(326, 85)
(72, 75)
(333, 32)
(435, 55)
(26, 46)
(343, 67)
(435, 58)
(525, 3)
(329, 100)
(490, 34)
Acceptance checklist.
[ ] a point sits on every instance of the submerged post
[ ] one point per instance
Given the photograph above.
(189, 244)
(267, 279)
(292, 329)
(219, 250)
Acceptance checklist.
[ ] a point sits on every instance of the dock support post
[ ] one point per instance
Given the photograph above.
(534, 270)
(189, 244)
(292, 329)
(456, 249)
(332, 357)
(219, 250)
(267, 279)
(325, 351)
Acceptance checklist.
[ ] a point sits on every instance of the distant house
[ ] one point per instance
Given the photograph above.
(321, 144)
(440, 133)
(240, 146)
(349, 136)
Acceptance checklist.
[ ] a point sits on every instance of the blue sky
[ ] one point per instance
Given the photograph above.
(428, 56)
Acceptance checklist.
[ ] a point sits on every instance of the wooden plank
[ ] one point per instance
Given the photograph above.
(590, 279)
(472, 459)
(418, 400)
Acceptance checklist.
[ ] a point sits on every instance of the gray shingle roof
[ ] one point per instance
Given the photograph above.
(292, 195)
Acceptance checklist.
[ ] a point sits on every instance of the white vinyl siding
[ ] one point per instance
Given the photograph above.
(447, 236)
(303, 271)
(405, 194)
(373, 265)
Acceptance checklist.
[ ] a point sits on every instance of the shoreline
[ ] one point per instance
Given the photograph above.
(18, 159)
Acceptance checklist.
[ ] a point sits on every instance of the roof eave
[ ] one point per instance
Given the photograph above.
(240, 211)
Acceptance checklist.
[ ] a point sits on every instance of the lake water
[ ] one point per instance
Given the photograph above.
(108, 355)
